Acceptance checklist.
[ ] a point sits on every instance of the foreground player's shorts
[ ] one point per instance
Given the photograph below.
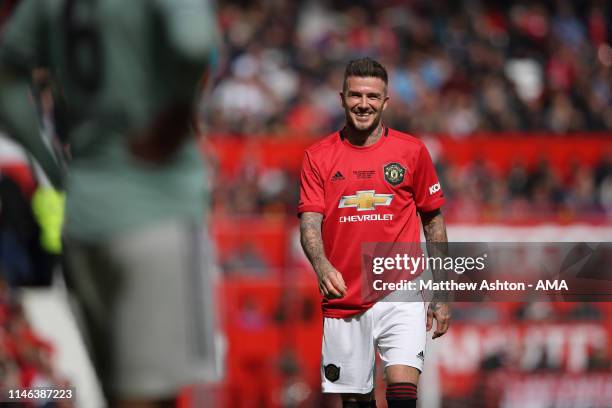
(147, 308)
(396, 329)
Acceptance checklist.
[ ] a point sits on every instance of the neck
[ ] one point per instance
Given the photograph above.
(367, 138)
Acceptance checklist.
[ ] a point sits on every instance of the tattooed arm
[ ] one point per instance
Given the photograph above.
(434, 227)
(331, 284)
(434, 230)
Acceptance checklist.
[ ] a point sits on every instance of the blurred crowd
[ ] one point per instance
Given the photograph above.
(475, 192)
(479, 192)
(25, 358)
(455, 67)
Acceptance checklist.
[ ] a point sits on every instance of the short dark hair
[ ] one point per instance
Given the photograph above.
(365, 67)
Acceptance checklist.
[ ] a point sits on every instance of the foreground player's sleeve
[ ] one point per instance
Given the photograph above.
(23, 48)
(428, 194)
(193, 38)
(191, 27)
(312, 197)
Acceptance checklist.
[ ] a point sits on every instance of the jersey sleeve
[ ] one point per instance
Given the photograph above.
(191, 28)
(428, 194)
(23, 42)
(191, 39)
(312, 194)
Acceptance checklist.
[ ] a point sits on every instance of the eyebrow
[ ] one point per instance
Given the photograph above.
(367, 94)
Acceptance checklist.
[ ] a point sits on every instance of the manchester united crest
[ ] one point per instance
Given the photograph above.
(394, 173)
(332, 372)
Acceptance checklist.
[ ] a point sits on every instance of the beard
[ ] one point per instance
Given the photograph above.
(358, 128)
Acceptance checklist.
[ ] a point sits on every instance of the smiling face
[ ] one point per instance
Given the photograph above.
(364, 99)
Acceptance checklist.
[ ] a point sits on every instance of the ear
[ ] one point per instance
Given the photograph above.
(342, 99)
(384, 105)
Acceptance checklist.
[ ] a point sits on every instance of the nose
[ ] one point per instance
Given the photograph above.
(363, 102)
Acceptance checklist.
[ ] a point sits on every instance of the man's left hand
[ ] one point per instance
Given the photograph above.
(442, 313)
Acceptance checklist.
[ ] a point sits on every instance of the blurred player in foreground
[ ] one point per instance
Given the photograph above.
(140, 266)
(367, 168)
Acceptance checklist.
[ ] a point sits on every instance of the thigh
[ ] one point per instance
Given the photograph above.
(400, 330)
(159, 321)
(93, 286)
(164, 332)
(348, 355)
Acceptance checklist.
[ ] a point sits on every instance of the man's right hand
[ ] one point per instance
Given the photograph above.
(331, 283)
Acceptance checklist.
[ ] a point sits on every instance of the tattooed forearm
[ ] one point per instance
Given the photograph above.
(312, 241)
(434, 227)
(434, 230)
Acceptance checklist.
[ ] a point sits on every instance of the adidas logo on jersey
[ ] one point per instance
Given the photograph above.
(421, 356)
(337, 177)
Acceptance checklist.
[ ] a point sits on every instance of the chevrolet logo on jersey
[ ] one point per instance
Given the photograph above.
(365, 200)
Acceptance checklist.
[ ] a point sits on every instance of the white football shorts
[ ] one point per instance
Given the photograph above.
(396, 329)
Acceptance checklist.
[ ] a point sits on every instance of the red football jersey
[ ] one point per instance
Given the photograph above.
(366, 194)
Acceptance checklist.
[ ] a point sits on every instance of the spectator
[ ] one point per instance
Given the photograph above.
(527, 66)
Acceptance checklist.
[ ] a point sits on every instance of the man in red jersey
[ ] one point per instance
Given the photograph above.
(369, 183)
